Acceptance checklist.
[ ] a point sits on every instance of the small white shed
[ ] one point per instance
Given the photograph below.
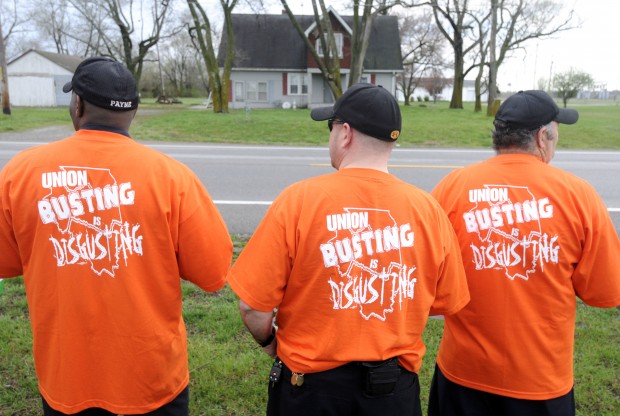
(36, 78)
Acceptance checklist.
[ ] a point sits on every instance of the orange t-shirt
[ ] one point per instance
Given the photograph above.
(532, 236)
(355, 261)
(101, 228)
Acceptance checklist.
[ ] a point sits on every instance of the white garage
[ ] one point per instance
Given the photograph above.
(36, 78)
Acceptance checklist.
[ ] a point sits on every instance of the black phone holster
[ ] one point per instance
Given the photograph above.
(380, 377)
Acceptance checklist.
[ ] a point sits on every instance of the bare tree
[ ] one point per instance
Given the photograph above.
(52, 19)
(180, 65)
(362, 25)
(201, 34)
(118, 25)
(62, 27)
(516, 22)
(454, 19)
(481, 57)
(80, 31)
(329, 64)
(9, 23)
(435, 83)
(422, 50)
(364, 12)
(492, 82)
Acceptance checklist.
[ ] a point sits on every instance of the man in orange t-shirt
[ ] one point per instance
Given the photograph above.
(354, 262)
(532, 237)
(102, 229)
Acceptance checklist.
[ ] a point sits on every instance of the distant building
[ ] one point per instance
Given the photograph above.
(598, 91)
(36, 78)
(469, 91)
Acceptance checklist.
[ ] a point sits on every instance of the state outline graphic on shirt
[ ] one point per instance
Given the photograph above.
(507, 221)
(364, 251)
(85, 205)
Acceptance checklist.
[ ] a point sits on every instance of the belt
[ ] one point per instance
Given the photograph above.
(376, 378)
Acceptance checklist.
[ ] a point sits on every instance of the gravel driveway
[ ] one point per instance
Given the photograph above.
(43, 134)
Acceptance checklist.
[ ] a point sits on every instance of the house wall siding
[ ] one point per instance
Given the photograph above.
(386, 80)
(276, 90)
(319, 92)
(32, 91)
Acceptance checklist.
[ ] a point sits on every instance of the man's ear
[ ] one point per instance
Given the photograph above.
(347, 132)
(79, 106)
(541, 137)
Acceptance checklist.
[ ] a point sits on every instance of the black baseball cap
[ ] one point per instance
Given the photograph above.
(533, 109)
(369, 108)
(106, 83)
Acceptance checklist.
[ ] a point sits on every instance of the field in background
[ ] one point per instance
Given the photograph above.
(431, 125)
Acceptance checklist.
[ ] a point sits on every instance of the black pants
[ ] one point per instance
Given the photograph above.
(178, 407)
(339, 392)
(450, 399)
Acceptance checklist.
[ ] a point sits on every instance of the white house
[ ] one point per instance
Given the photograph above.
(36, 78)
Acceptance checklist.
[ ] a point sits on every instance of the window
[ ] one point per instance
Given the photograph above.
(297, 84)
(337, 38)
(256, 91)
(239, 95)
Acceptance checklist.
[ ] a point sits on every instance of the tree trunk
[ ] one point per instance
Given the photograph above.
(230, 52)
(492, 85)
(219, 84)
(478, 104)
(4, 76)
(330, 68)
(359, 40)
(459, 77)
(407, 99)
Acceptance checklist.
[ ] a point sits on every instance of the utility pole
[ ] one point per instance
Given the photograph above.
(550, 75)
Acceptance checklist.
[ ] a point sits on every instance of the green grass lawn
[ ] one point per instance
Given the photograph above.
(431, 125)
(229, 371)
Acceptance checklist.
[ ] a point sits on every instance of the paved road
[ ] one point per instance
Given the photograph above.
(243, 180)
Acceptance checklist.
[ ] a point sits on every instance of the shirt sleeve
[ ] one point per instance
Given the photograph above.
(10, 259)
(452, 293)
(205, 247)
(260, 274)
(596, 277)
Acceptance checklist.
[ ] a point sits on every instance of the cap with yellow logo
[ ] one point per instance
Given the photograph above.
(369, 108)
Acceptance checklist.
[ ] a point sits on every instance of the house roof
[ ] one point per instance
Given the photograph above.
(270, 41)
(68, 62)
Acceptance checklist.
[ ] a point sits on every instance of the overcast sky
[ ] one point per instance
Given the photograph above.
(591, 48)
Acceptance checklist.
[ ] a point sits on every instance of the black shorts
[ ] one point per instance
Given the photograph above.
(451, 399)
(340, 391)
(177, 407)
